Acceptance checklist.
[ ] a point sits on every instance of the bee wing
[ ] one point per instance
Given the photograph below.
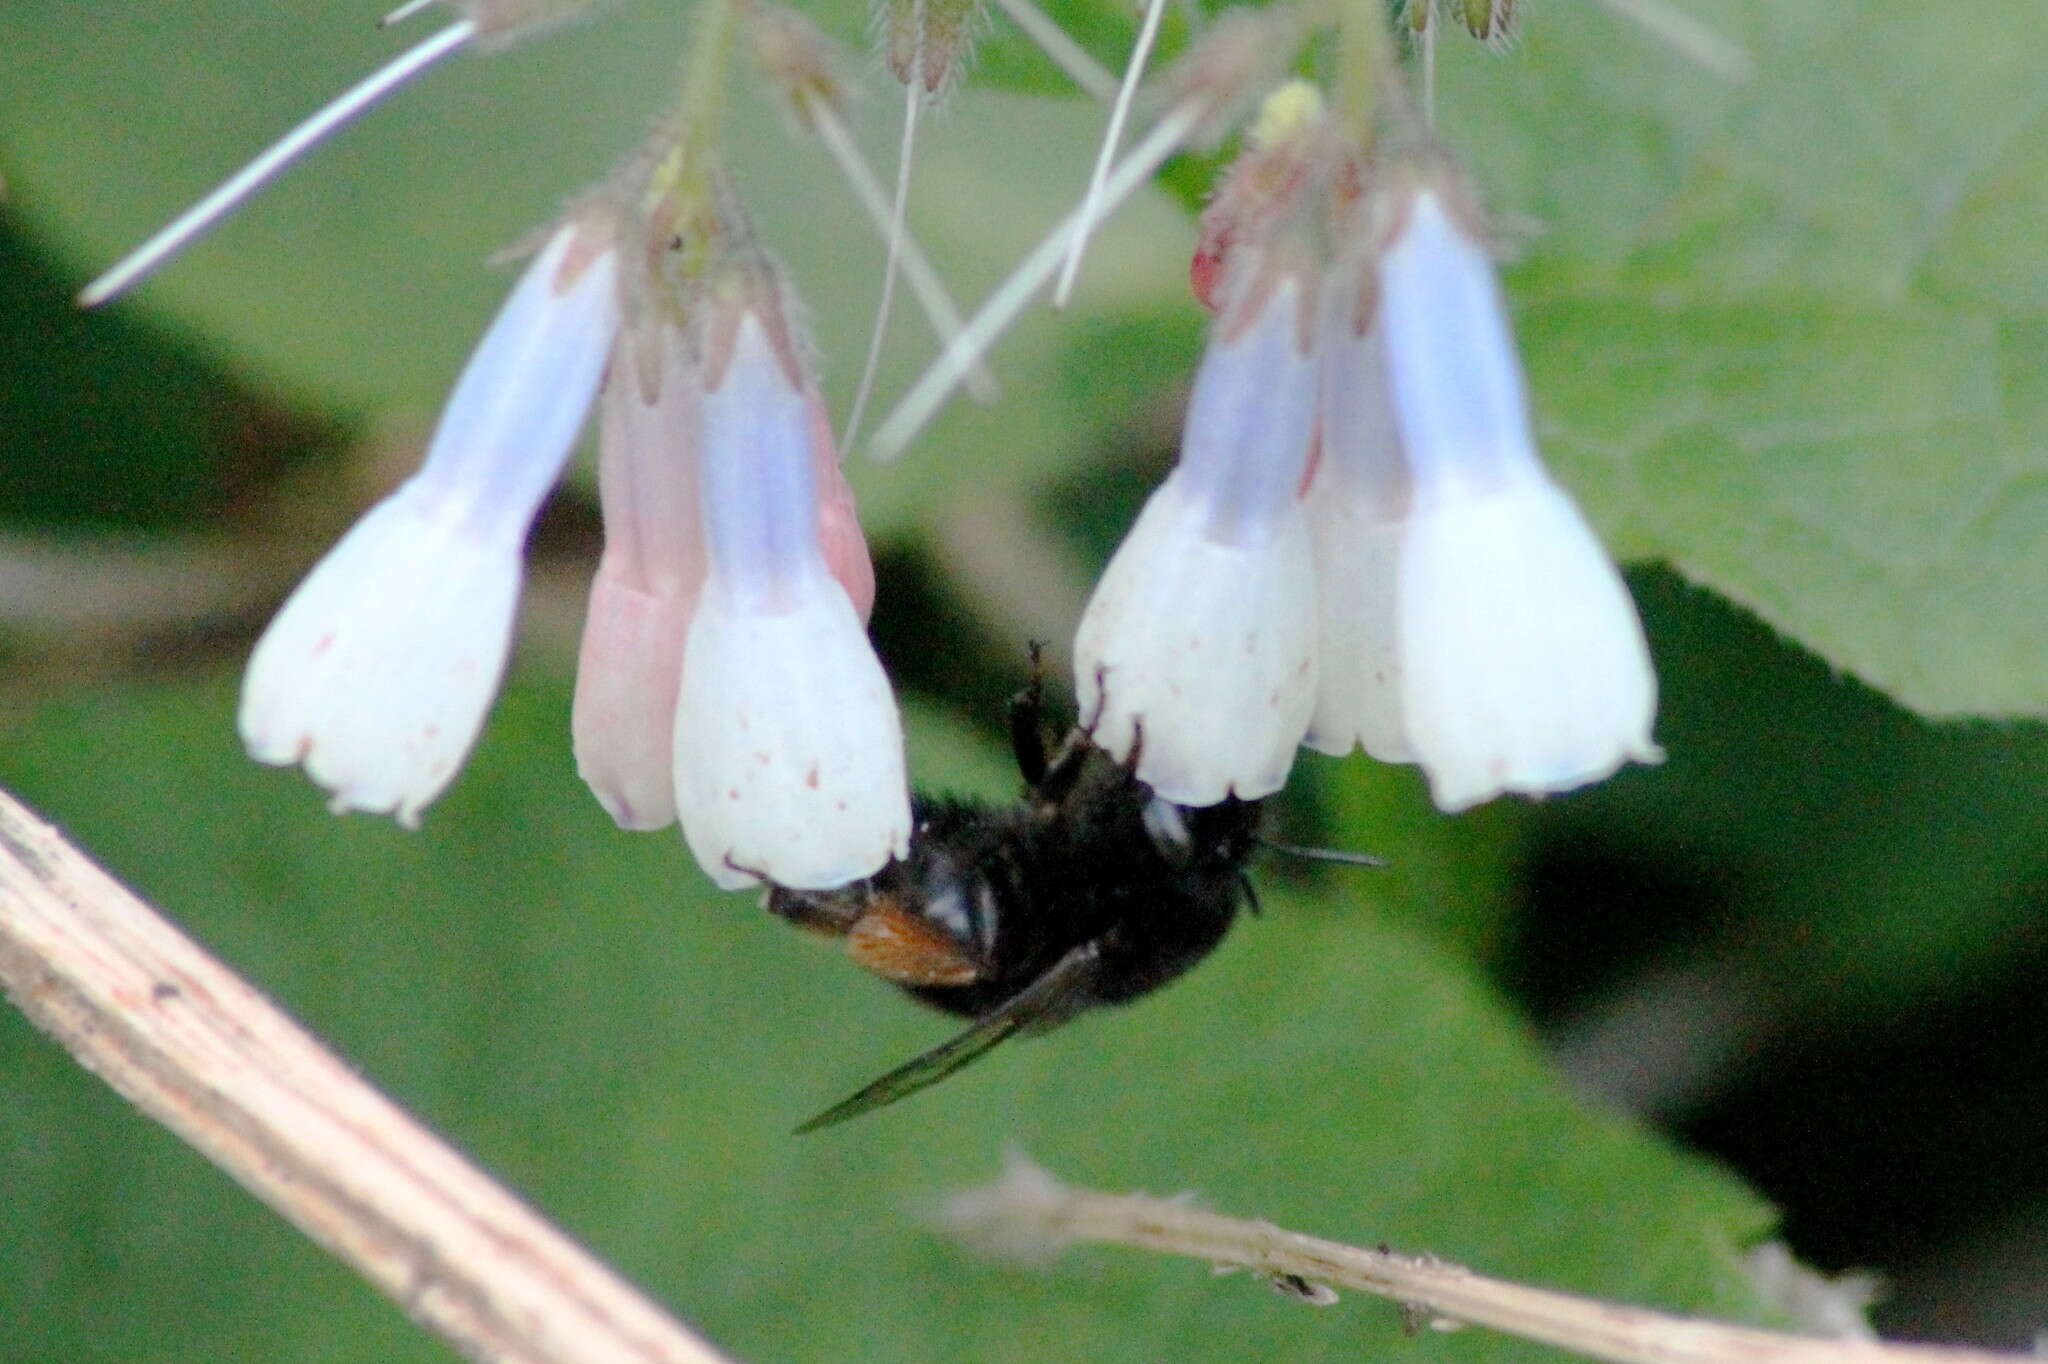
(1042, 997)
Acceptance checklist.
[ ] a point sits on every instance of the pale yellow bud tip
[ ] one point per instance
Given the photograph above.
(1291, 107)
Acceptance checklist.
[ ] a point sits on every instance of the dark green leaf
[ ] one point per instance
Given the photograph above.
(575, 1006)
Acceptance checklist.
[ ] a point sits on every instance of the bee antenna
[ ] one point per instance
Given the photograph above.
(1307, 854)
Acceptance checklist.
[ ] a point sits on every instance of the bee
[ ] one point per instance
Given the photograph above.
(1092, 890)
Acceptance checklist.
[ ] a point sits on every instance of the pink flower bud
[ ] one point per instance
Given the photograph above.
(645, 590)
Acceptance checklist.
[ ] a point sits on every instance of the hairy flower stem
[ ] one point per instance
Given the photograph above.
(1366, 68)
(1083, 70)
(893, 242)
(1688, 36)
(682, 179)
(1091, 205)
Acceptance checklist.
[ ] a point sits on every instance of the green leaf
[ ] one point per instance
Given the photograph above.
(111, 424)
(1848, 862)
(629, 1048)
(1788, 334)
(1457, 880)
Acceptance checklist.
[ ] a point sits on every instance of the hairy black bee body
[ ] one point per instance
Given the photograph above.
(1090, 891)
(1032, 883)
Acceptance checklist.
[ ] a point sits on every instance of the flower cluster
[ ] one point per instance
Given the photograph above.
(1360, 545)
(726, 679)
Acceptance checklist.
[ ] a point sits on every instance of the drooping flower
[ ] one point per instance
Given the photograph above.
(1522, 665)
(645, 592)
(377, 672)
(1196, 657)
(788, 752)
(1197, 652)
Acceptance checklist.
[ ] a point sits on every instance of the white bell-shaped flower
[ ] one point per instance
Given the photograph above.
(1523, 664)
(646, 585)
(1357, 515)
(1198, 649)
(788, 750)
(377, 672)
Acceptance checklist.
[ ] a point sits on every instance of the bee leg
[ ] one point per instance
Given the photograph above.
(897, 944)
(1027, 723)
(1087, 728)
(1063, 773)
(1101, 700)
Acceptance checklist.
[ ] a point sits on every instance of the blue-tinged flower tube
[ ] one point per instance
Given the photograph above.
(788, 750)
(378, 670)
(1197, 652)
(646, 585)
(1523, 665)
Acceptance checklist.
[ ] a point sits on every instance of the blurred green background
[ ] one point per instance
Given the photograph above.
(1787, 335)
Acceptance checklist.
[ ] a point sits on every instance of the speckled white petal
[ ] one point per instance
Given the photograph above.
(378, 671)
(788, 751)
(1525, 665)
(1201, 637)
(1209, 647)
(645, 589)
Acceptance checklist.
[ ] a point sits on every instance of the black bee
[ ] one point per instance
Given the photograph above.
(1092, 890)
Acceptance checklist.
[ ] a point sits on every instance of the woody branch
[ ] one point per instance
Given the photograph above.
(1029, 1214)
(197, 1048)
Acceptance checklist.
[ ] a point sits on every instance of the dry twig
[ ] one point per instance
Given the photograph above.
(1029, 1214)
(198, 1049)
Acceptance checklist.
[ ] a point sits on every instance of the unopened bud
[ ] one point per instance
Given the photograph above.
(796, 58)
(927, 42)
(1293, 108)
(1487, 19)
